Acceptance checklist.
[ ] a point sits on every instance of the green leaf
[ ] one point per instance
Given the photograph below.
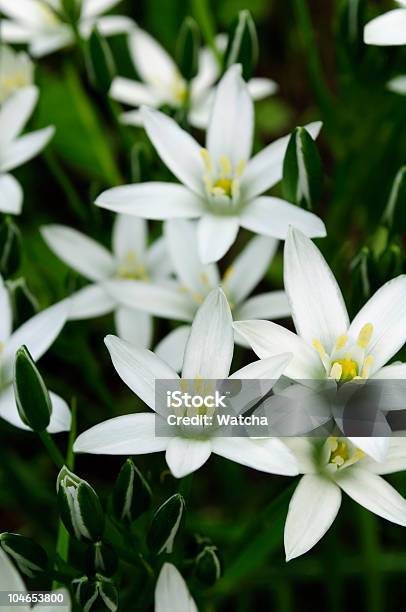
(187, 48)
(99, 61)
(242, 45)
(394, 213)
(32, 397)
(302, 173)
(165, 525)
(131, 493)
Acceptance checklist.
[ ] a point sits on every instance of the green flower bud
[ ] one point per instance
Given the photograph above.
(208, 565)
(79, 507)
(187, 48)
(32, 397)
(96, 595)
(101, 558)
(10, 248)
(302, 174)
(29, 556)
(242, 45)
(131, 493)
(165, 525)
(99, 61)
(71, 10)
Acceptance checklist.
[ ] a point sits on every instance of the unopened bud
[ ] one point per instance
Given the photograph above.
(32, 397)
(29, 556)
(96, 595)
(101, 559)
(208, 565)
(131, 493)
(165, 525)
(242, 45)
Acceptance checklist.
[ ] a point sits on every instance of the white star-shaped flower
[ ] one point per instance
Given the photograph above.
(16, 71)
(387, 29)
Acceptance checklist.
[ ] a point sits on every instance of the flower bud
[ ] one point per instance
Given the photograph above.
(302, 175)
(79, 507)
(71, 10)
(131, 493)
(187, 49)
(208, 565)
(10, 248)
(96, 595)
(99, 61)
(101, 558)
(165, 525)
(29, 556)
(32, 397)
(242, 45)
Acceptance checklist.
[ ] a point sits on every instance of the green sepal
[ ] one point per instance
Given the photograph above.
(131, 494)
(31, 395)
(242, 47)
(187, 49)
(209, 567)
(29, 556)
(302, 173)
(165, 524)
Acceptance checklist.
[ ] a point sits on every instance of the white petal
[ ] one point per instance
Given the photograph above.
(109, 25)
(260, 88)
(80, 252)
(132, 118)
(138, 368)
(387, 29)
(396, 371)
(312, 510)
(231, 125)
(215, 236)
(134, 326)
(10, 579)
(14, 32)
(6, 314)
(270, 455)
(177, 149)
(171, 349)
(184, 455)
(48, 43)
(397, 84)
(249, 267)
(25, 148)
(152, 201)
(209, 349)
(395, 460)
(386, 310)
(377, 448)
(60, 419)
(129, 236)
(264, 170)
(270, 368)
(272, 305)
(38, 333)
(318, 308)
(152, 62)
(157, 259)
(199, 114)
(132, 434)
(11, 195)
(171, 592)
(91, 301)
(208, 72)
(273, 216)
(91, 8)
(182, 245)
(168, 302)
(268, 339)
(14, 114)
(374, 493)
(31, 12)
(61, 416)
(132, 92)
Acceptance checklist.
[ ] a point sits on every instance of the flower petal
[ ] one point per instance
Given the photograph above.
(14, 114)
(60, 418)
(260, 88)
(268, 339)
(157, 259)
(91, 301)
(171, 348)
(270, 368)
(11, 31)
(152, 62)
(397, 84)
(129, 236)
(273, 216)
(152, 201)
(131, 434)
(231, 125)
(134, 326)
(395, 460)
(30, 12)
(318, 308)
(312, 510)
(48, 43)
(396, 371)
(138, 368)
(377, 448)
(268, 455)
(272, 305)
(171, 592)
(132, 92)
(215, 236)
(386, 311)
(91, 8)
(25, 148)
(209, 349)
(10, 579)
(185, 455)
(374, 493)
(11, 195)
(80, 252)
(109, 25)
(265, 169)
(387, 29)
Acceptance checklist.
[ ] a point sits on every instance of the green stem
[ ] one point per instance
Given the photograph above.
(65, 183)
(53, 451)
(374, 592)
(204, 18)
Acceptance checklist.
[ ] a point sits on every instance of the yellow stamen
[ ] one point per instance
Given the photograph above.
(364, 335)
(223, 186)
(225, 165)
(341, 342)
(336, 371)
(207, 160)
(349, 368)
(240, 168)
(367, 366)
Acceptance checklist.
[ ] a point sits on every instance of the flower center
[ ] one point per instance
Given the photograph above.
(131, 268)
(348, 368)
(341, 453)
(222, 182)
(179, 90)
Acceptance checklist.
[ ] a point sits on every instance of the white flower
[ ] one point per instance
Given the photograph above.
(14, 149)
(40, 23)
(196, 280)
(37, 334)
(208, 355)
(398, 84)
(16, 71)
(11, 581)
(171, 592)
(162, 83)
(221, 184)
(333, 466)
(131, 258)
(387, 29)
(327, 345)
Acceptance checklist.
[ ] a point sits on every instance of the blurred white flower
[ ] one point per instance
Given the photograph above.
(398, 84)
(162, 84)
(332, 466)
(40, 23)
(208, 355)
(221, 184)
(38, 333)
(131, 258)
(11, 581)
(387, 29)
(196, 280)
(16, 71)
(171, 592)
(327, 346)
(15, 150)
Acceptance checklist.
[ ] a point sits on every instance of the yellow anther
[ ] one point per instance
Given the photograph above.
(364, 335)
(336, 371)
(240, 168)
(131, 268)
(223, 187)
(208, 164)
(349, 368)
(367, 366)
(225, 165)
(341, 342)
(320, 349)
(340, 454)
